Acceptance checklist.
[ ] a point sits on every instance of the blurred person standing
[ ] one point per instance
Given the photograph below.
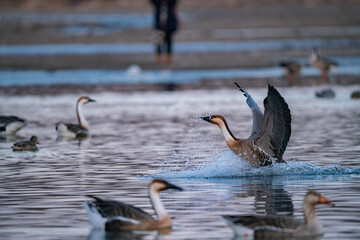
(165, 25)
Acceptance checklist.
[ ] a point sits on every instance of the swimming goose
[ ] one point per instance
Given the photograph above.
(292, 67)
(270, 133)
(73, 130)
(117, 216)
(26, 145)
(9, 125)
(323, 63)
(280, 226)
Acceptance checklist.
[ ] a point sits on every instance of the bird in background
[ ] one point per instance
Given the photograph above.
(293, 68)
(10, 125)
(26, 145)
(68, 130)
(323, 63)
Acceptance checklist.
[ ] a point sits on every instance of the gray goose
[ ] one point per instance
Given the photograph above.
(67, 130)
(280, 226)
(118, 216)
(324, 64)
(26, 145)
(292, 67)
(9, 125)
(270, 133)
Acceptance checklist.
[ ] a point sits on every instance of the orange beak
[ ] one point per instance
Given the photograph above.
(324, 200)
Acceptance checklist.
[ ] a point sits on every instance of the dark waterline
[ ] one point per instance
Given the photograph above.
(184, 47)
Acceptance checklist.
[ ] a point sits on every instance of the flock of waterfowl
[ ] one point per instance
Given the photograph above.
(316, 59)
(266, 144)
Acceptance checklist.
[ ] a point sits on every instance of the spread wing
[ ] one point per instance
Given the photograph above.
(77, 129)
(276, 125)
(255, 110)
(116, 210)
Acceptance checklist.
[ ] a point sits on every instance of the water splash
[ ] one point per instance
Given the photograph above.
(229, 165)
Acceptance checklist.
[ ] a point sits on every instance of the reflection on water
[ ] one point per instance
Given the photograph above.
(136, 136)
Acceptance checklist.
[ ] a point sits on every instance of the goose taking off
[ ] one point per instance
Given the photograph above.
(292, 67)
(280, 226)
(9, 125)
(322, 63)
(270, 133)
(117, 216)
(67, 130)
(26, 145)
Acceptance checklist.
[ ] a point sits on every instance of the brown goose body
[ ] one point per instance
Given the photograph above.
(118, 216)
(270, 134)
(280, 226)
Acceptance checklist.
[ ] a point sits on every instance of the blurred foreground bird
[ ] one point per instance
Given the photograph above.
(117, 216)
(275, 226)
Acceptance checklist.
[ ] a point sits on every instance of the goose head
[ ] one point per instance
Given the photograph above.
(313, 198)
(215, 119)
(34, 140)
(85, 99)
(159, 185)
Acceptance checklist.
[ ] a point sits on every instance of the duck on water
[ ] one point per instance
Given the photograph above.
(26, 145)
(118, 216)
(67, 130)
(270, 132)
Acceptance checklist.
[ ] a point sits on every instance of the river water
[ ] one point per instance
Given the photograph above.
(143, 135)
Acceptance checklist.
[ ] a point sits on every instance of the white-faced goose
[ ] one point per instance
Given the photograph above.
(66, 130)
(293, 68)
(26, 145)
(9, 125)
(117, 216)
(322, 63)
(280, 226)
(270, 133)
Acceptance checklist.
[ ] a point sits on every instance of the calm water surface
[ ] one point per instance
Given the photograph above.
(138, 136)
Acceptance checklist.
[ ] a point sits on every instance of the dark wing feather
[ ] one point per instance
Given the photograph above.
(5, 120)
(77, 129)
(276, 125)
(111, 208)
(261, 222)
(22, 144)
